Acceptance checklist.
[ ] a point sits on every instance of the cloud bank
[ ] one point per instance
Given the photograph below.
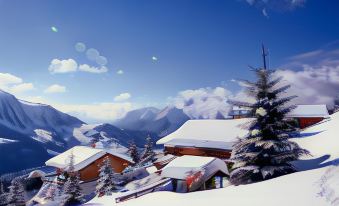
(204, 102)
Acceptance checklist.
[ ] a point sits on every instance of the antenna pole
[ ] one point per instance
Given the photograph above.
(264, 54)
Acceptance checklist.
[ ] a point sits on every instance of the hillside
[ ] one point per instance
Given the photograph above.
(317, 183)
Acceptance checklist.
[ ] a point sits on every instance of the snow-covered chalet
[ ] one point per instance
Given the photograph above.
(211, 138)
(87, 161)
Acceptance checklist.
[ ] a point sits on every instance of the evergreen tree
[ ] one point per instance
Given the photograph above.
(336, 104)
(16, 196)
(106, 181)
(266, 151)
(133, 152)
(3, 194)
(2, 188)
(72, 190)
(3, 199)
(148, 153)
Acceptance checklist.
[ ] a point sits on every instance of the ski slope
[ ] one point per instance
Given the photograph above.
(317, 183)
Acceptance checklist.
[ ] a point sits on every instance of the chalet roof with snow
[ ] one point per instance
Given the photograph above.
(184, 166)
(218, 134)
(83, 156)
(309, 111)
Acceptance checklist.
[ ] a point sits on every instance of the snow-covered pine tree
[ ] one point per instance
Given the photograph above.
(148, 153)
(106, 181)
(3, 194)
(266, 151)
(133, 152)
(3, 199)
(2, 189)
(336, 104)
(16, 196)
(72, 190)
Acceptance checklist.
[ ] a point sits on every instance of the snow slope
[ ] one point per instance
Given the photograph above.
(317, 183)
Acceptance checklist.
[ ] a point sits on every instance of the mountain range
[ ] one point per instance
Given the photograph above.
(162, 122)
(31, 133)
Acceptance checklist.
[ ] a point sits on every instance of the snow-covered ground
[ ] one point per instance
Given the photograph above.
(317, 184)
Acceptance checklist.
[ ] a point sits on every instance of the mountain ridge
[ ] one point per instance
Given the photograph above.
(31, 133)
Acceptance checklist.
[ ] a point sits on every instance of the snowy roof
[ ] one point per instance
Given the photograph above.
(207, 133)
(201, 143)
(186, 165)
(309, 111)
(83, 156)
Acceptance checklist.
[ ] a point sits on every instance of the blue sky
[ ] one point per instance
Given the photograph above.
(197, 44)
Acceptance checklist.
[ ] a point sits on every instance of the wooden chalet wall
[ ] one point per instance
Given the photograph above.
(308, 121)
(91, 171)
(208, 152)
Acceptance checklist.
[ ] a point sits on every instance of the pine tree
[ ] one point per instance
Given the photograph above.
(336, 104)
(106, 181)
(2, 189)
(133, 152)
(148, 153)
(72, 188)
(266, 151)
(3, 194)
(16, 196)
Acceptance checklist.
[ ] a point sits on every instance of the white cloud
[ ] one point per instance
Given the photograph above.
(7, 79)
(62, 66)
(204, 102)
(317, 58)
(55, 88)
(100, 112)
(91, 69)
(313, 85)
(276, 5)
(120, 71)
(122, 97)
(314, 75)
(19, 88)
(14, 84)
